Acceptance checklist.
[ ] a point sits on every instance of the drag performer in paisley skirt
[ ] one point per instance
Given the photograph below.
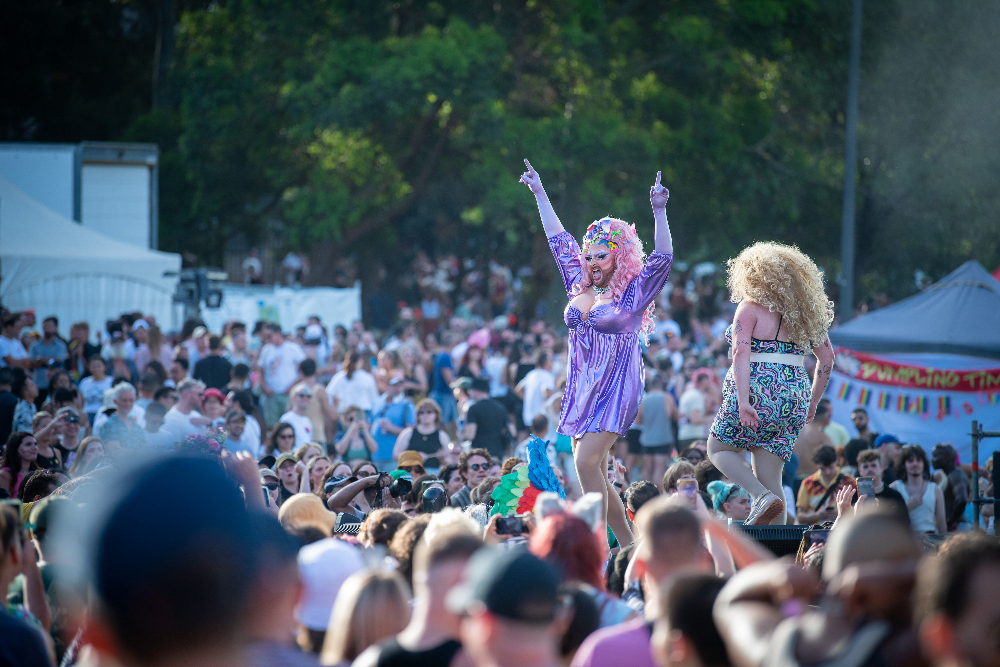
(611, 285)
(767, 396)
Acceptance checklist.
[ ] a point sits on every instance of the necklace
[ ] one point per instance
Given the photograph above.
(601, 291)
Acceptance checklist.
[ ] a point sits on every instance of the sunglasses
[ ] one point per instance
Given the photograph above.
(286, 435)
(426, 412)
(271, 486)
(479, 466)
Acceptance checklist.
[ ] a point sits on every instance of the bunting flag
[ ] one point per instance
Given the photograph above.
(883, 401)
(944, 406)
(864, 396)
(903, 403)
(994, 399)
(920, 405)
(845, 391)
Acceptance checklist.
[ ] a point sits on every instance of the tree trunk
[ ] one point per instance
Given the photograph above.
(166, 19)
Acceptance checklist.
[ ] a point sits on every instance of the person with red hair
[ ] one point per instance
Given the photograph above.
(566, 542)
(611, 284)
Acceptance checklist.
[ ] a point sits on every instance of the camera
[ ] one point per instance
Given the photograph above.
(72, 419)
(397, 488)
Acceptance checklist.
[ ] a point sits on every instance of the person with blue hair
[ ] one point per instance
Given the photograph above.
(729, 500)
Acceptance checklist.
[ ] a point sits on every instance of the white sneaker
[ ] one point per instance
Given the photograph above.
(764, 510)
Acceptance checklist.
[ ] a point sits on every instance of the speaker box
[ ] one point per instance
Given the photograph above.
(779, 540)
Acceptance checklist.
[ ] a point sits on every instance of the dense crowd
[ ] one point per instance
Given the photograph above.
(333, 502)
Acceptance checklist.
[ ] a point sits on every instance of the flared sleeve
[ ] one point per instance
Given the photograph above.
(566, 252)
(650, 281)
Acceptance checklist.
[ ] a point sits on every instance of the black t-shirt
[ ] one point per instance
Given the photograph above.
(490, 419)
(213, 371)
(394, 655)
(22, 645)
(8, 403)
(893, 499)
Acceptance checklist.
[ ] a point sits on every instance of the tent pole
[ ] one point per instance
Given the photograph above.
(847, 242)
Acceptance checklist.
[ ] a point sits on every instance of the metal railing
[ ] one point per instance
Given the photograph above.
(978, 434)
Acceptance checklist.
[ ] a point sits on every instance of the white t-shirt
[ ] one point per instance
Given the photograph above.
(162, 440)
(360, 390)
(838, 434)
(11, 347)
(535, 383)
(179, 424)
(93, 392)
(303, 427)
(281, 365)
(691, 400)
(494, 368)
(251, 436)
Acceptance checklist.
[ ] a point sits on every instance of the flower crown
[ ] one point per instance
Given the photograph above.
(210, 443)
(600, 231)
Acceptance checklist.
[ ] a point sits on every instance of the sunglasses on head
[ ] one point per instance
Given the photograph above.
(479, 466)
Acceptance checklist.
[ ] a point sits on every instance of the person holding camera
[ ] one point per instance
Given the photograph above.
(363, 495)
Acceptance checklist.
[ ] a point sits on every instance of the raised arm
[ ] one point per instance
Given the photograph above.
(550, 221)
(658, 196)
(824, 366)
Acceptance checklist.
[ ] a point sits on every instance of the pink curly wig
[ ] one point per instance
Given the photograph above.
(629, 260)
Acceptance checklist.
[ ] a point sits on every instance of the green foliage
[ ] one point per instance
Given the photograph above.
(361, 127)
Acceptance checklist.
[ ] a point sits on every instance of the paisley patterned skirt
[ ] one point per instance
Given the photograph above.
(780, 393)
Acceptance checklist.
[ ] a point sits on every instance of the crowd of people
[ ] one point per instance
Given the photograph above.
(346, 478)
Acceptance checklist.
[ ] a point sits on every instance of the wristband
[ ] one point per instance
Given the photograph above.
(617, 485)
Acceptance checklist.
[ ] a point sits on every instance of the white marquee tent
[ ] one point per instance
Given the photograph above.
(58, 267)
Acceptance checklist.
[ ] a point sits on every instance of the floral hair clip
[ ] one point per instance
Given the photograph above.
(600, 231)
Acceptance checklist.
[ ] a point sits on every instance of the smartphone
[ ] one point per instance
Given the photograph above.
(267, 496)
(816, 537)
(511, 525)
(866, 487)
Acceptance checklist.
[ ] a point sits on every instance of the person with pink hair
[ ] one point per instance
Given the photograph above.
(611, 285)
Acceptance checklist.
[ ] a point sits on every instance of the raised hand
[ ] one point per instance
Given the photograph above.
(658, 195)
(532, 179)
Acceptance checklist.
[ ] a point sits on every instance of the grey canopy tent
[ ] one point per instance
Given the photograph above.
(959, 314)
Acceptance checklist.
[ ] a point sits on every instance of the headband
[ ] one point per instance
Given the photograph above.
(600, 231)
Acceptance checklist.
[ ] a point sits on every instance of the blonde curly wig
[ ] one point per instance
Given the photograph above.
(784, 280)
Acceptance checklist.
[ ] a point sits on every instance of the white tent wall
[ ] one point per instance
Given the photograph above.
(54, 265)
(288, 307)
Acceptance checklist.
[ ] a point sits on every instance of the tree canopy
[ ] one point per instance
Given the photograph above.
(370, 128)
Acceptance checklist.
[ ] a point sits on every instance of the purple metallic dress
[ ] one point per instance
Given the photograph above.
(604, 375)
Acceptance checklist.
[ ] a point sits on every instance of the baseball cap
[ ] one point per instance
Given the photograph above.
(884, 439)
(461, 383)
(287, 456)
(198, 332)
(140, 324)
(479, 384)
(323, 568)
(268, 474)
(313, 334)
(306, 509)
(212, 392)
(670, 328)
(397, 378)
(410, 458)
(514, 584)
(268, 461)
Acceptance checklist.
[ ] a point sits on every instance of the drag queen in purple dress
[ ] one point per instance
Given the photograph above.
(611, 285)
